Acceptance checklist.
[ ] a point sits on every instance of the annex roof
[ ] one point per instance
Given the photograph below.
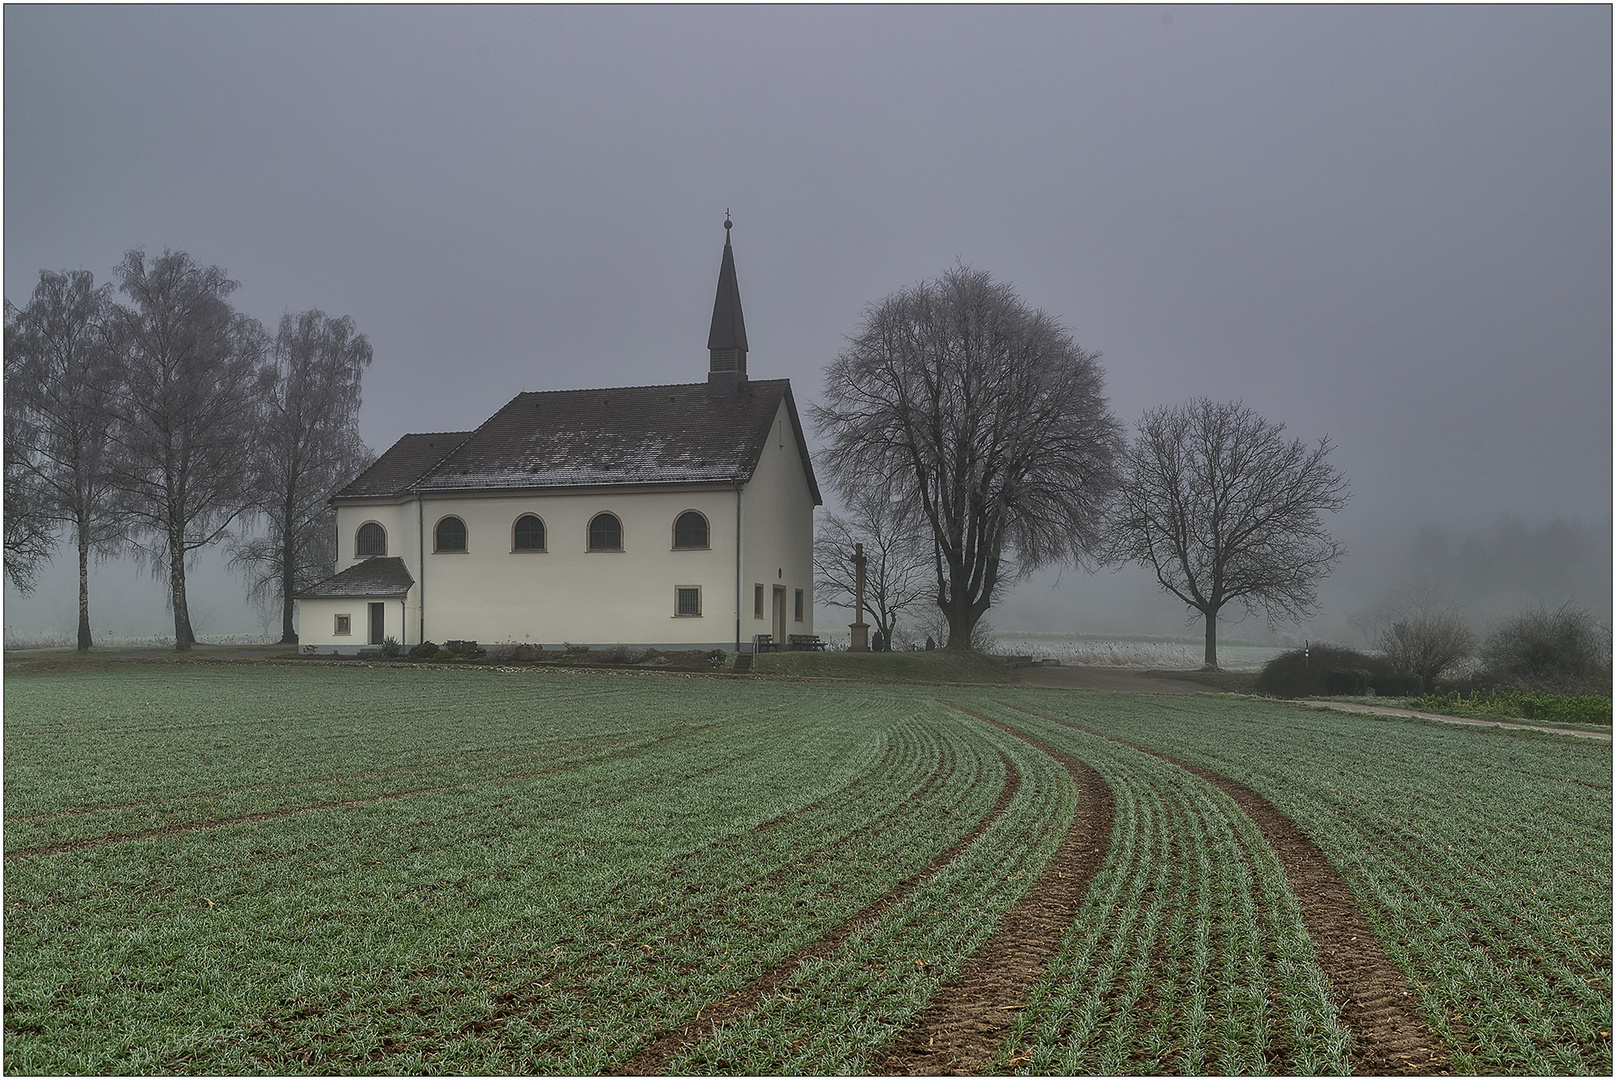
(383, 576)
(405, 462)
(677, 434)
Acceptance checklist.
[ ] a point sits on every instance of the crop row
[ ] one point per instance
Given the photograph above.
(1189, 954)
(1482, 858)
(552, 923)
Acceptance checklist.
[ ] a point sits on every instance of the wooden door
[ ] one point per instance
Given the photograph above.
(378, 623)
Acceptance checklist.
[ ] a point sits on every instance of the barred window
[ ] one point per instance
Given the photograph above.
(799, 605)
(370, 540)
(757, 601)
(688, 600)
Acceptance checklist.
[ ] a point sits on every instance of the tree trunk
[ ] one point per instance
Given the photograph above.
(1211, 659)
(183, 637)
(84, 588)
(288, 580)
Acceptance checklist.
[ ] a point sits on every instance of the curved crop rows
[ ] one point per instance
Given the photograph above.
(366, 870)
(1479, 857)
(1189, 954)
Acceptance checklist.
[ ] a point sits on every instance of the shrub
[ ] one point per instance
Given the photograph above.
(1559, 650)
(1323, 669)
(424, 651)
(391, 648)
(443, 654)
(1424, 646)
(461, 648)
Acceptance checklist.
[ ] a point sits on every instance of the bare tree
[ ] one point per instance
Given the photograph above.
(307, 447)
(988, 419)
(184, 415)
(897, 565)
(66, 370)
(1427, 645)
(30, 533)
(1224, 510)
(1565, 649)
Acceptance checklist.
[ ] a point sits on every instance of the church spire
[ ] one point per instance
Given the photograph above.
(726, 341)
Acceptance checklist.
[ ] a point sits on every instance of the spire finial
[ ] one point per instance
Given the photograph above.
(727, 225)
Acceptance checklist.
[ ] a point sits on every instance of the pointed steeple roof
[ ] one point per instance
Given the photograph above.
(729, 327)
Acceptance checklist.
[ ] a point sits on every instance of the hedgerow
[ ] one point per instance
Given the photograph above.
(1519, 704)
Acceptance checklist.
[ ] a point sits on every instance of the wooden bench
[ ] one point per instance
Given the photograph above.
(805, 642)
(763, 643)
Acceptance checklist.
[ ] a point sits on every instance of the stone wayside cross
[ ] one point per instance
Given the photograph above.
(861, 629)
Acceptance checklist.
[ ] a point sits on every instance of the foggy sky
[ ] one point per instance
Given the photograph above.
(1390, 225)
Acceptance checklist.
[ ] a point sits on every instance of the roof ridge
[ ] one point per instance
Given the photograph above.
(648, 386)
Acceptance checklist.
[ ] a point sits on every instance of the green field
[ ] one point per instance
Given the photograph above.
(218, 869)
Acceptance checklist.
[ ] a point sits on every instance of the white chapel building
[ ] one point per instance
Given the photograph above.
(676, 517)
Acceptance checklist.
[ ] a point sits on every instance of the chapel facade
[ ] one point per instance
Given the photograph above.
(674, 517)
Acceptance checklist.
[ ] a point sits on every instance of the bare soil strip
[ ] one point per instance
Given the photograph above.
(669, 1044)
(273, 815)
(965, 1023)
(1389, 1036)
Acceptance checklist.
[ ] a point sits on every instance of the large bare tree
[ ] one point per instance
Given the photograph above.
(184, 416)
(30, 533)
(307, 447)
(1225, 510)
(989, 419)
(65, 373)
(897, 563)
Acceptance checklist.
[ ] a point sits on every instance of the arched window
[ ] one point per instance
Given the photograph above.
(529, 534)
(450, 535)
(371, 539)
(690, 530)
(605, 533)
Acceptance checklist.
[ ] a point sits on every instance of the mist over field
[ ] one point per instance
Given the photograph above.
(1390, 226)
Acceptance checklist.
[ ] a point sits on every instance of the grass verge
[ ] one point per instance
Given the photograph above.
(936, 666)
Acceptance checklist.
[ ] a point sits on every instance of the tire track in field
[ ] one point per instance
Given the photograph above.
(670, 1044)
(966, 1021)
(273, 815)
(1390, 1037)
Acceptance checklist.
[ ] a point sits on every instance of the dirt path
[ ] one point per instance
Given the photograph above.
(1388, 710)
(967, 1020)
(1134, 680)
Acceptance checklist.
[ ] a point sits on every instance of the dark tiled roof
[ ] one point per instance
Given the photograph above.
(405, 462)
(623, 435)
(378, 577)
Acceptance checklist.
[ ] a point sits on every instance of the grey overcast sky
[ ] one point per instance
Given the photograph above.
(1387, 224)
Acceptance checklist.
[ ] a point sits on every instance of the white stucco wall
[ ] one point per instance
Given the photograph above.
(778, 535)
(316, 624)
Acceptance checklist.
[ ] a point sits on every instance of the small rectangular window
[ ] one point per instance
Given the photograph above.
(757, 601)
(344, 624)
(799, 605)
(688, 601)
